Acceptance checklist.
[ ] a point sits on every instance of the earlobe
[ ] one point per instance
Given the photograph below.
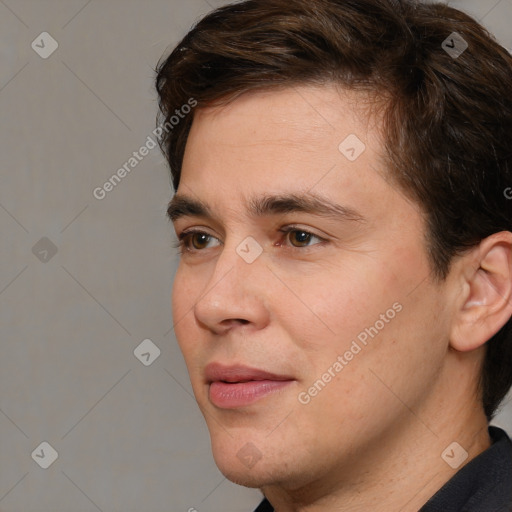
(486, 301)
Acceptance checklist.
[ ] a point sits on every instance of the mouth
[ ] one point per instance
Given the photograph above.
(231, 387)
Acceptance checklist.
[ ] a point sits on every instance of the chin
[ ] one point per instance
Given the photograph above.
(245, 479)
(264, 474)
(246, 466)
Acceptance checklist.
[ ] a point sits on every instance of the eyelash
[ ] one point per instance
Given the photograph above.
(183, 243)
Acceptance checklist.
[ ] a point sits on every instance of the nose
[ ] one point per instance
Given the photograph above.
(236, 293)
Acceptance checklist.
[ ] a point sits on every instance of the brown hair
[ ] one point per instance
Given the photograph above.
(447, 119)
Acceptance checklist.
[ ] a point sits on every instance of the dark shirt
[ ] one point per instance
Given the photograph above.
(482, 485)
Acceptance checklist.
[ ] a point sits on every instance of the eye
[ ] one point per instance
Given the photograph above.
(193, 241)
(300, 237)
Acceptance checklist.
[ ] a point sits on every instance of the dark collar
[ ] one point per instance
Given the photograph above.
(482, 485)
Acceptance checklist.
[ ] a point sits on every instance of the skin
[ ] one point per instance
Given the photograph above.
(372, 438)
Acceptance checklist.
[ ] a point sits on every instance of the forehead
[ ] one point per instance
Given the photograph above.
(299, 114)
(264, 136)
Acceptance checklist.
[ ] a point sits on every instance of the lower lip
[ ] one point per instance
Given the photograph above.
(238, 394)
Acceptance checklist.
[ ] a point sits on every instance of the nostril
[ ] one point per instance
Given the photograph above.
(231, 322)
(239, 320)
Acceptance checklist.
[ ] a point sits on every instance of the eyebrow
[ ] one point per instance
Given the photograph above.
(185, 206)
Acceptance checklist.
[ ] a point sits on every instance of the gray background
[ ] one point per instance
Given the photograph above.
(129, 437)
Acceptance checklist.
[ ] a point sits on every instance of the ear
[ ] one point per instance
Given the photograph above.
(486, 300)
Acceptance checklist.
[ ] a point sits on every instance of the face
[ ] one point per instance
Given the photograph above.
(303, 302)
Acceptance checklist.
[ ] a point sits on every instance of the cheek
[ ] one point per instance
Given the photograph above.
(181, 299)
(185, 295)
(189, 287)
(327, 309)
(362, 309)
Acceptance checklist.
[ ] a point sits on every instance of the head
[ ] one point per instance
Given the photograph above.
(376, 107)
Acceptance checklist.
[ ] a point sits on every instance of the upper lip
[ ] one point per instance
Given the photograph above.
(215, 372)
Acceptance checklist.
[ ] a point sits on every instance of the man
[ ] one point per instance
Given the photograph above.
(344, 292)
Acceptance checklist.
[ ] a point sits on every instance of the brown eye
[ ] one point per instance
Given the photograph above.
(200, 240)
(194, 241)
(301, 238)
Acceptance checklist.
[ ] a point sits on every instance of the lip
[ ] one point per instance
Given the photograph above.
(236, 386)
